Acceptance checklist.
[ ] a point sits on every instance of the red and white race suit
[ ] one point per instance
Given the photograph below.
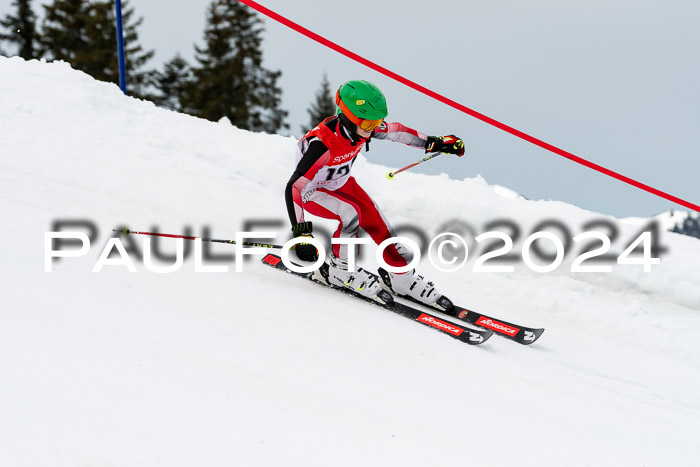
(322, 185)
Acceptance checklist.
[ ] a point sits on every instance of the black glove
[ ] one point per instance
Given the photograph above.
(305, 251)
(448, 144)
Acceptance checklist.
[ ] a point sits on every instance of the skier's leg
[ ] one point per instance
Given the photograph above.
(375, 224)
(329, 205)
(372, 221)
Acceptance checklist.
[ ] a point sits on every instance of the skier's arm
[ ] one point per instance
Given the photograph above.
(397, 132)
(450, 144)
(314, 151)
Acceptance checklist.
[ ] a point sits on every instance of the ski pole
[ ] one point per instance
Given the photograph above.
(126, 231)
(391, 175)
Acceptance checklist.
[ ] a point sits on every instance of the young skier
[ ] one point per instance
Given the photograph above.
(322, 185)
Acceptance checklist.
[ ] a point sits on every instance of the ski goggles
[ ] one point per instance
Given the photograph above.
(369, 125)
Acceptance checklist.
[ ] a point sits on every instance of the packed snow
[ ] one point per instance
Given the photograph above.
(260, 368)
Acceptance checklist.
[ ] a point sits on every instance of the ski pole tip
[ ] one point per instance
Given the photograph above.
(390, 175)
(125, 231)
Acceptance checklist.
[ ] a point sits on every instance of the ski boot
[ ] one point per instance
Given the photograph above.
(416, 288)
(362, 282)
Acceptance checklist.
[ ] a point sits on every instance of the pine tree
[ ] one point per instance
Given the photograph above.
(691, 227)
(84, 34)
(173, 84)
(21, 29)
(323, 106)
(230, 79)
(63, 30)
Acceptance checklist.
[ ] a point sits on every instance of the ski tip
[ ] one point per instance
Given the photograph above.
(530, 336)
(475, 337)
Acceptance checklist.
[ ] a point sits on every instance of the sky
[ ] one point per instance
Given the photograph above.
(614, 82)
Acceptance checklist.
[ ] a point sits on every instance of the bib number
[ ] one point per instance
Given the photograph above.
(338, 172)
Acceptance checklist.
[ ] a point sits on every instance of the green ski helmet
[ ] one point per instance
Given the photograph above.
(362, 103)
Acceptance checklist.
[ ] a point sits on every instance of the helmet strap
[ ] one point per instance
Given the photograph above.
(351, 128)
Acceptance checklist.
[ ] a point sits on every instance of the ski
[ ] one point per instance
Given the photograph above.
(520, 334)
(385, 300)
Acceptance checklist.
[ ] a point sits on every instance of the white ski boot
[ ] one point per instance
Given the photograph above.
(360, 281)
(412, 285)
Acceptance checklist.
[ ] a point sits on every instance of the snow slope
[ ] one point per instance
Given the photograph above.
(259, 368)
